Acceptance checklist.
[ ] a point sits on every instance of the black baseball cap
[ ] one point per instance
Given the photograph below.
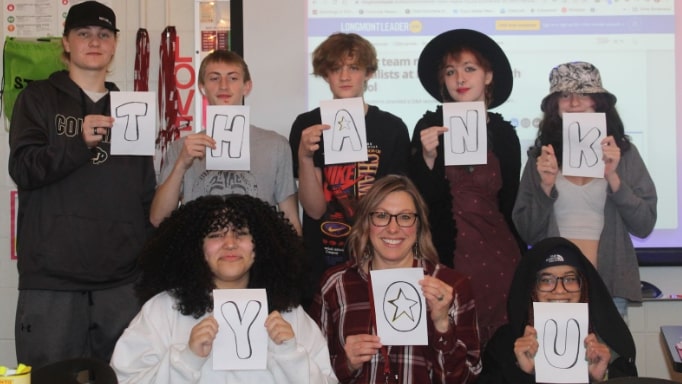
(88, 14)
(555, 251)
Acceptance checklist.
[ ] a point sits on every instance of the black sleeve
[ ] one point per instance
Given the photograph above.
(499, 362)
(35, 159)
(435, 189)
(507, 149)
(398, 164)
(294, 141)
(621, 367)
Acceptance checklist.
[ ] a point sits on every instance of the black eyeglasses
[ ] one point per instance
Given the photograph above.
(548, 283)
(382, 219)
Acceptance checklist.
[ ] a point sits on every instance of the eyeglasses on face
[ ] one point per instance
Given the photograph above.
(382, 219)
(548, 283)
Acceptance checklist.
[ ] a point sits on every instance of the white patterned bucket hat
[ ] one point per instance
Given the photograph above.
(575, 77)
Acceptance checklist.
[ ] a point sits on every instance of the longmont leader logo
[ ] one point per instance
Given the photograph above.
(335, 229)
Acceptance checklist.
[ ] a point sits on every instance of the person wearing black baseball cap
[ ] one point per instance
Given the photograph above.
(471, 206)
(83, 213)
(89, 40)
(555, 270)
(90, 14)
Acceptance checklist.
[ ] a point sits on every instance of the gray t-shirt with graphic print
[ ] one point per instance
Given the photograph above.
(270, 178)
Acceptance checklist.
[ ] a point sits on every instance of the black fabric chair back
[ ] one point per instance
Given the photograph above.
(75, 371)
(638, 380)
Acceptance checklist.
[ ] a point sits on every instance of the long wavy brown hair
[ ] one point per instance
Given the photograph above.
(360, 248)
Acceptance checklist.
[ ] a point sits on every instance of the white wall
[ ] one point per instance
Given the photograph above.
(275, 51)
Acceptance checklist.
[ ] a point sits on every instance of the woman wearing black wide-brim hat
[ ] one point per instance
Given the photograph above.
(471, 205)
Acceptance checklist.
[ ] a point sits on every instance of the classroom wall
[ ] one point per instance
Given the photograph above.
(274, 49)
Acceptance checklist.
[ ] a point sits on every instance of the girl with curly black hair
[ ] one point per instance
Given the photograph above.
(219, 242)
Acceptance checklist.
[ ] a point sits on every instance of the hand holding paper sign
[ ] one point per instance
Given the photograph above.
(429, 139)
(202, 336)
(598, 356)
(95, 129)
(525, 349)
(194, 147)
(611, 156)
(279, 330)
(438, 296)
(360, 349)
(547, 167)
(310, 140)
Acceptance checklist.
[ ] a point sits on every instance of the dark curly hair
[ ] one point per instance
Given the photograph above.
(551, 125)
(173, 260)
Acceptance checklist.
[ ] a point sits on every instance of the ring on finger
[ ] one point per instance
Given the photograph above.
(440, 298)
(94, 131)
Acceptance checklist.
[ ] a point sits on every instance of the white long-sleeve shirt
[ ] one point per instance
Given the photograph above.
(154, 349)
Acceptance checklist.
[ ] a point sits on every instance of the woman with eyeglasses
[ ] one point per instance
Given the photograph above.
(555, 270)
(391, 231)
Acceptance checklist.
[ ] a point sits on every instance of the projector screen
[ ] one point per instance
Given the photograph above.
(634, 43)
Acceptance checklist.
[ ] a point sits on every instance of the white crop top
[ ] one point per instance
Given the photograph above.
(579, 209)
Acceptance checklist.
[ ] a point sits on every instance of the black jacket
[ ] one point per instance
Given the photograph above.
(499, 361)
(83, 214)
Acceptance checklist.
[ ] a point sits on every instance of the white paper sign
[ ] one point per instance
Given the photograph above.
(242, 340)
(466, 141)
(562, 329)
(134, 129)
(582, 152)
(346, 140)
(400, 306)
(228, 125)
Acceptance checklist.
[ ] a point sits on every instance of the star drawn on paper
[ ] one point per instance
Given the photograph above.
(403, 306)
(343, 124)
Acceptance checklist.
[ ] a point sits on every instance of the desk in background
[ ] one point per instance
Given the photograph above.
(672, 335)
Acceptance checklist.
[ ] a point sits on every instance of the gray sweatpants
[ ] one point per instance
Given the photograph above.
(55, 325)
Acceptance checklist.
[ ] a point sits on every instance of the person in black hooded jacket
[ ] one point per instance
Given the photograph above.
(83, 213)
(610, 349)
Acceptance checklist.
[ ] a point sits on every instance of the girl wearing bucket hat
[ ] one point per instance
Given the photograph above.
(555, 270)
(597, 214)
(456, 66)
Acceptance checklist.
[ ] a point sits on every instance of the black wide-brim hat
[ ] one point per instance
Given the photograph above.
(432, 56)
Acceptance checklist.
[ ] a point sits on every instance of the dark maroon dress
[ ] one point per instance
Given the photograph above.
(486, 248)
